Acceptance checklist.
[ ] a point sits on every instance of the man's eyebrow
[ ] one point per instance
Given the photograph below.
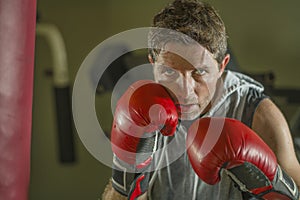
(204, 66)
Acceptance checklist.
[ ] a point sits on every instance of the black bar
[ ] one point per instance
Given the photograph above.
(64, 125)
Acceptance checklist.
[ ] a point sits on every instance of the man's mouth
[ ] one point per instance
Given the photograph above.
(186, 108)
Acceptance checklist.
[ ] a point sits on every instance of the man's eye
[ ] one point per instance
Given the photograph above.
(200, 72)
(168, 71)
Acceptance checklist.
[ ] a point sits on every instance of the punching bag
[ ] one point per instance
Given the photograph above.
(17, 39)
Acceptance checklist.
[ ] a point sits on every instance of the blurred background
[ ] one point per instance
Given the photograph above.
(263, 37)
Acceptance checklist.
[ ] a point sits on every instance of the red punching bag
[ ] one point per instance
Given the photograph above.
(17, 39)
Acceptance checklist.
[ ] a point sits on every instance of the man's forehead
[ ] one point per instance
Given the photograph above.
(190, 52)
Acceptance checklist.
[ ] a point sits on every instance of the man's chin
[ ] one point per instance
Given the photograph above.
(189, 116)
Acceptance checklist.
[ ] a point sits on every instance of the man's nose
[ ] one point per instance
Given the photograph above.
(186, 87)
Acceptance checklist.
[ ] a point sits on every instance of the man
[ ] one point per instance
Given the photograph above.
(197, 83)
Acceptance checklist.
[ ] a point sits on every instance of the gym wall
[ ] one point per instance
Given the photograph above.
(263, 35)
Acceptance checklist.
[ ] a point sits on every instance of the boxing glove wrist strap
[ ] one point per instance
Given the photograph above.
(137, 187)
(249, 179)
(129, 184)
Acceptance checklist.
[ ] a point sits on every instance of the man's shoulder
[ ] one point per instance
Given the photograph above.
(238, 79)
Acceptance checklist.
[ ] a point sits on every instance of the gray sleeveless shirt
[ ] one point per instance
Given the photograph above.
(238, 97)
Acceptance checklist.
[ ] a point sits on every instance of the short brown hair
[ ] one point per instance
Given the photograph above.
(198, 20)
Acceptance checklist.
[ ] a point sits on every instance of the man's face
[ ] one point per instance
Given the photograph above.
(191, 73)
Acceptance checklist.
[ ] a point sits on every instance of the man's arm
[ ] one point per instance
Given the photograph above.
(145, 111)
(111, 194)
(270, 124)
(223, 145)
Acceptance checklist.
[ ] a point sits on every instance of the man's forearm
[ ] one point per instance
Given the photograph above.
(111, 194)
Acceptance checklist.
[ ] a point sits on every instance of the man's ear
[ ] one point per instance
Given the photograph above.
(150, 59)
(224, 63)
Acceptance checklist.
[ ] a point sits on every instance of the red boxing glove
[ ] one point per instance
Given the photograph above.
(216, 144)
(145, 108)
